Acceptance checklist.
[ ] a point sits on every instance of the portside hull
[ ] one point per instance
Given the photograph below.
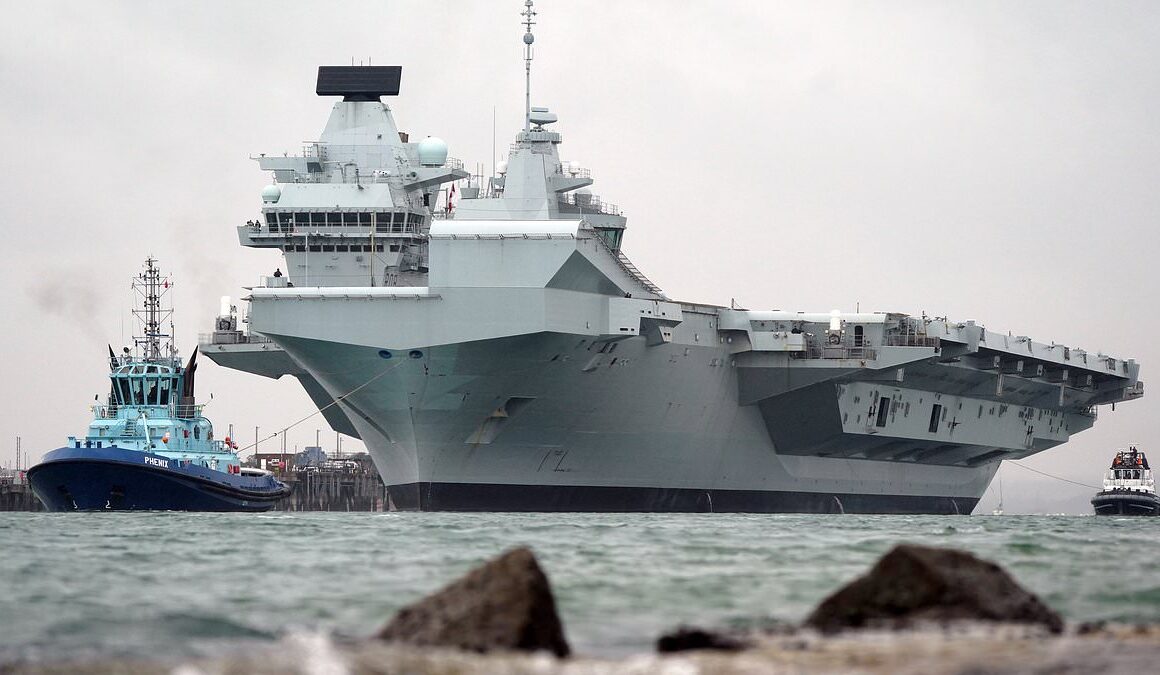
(528, 424)
(102, 483)
(1126, 503)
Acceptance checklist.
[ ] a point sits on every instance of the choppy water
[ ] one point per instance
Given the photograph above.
(180, 585)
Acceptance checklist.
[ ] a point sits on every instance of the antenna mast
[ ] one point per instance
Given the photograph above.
(528, 15)
(150, 287)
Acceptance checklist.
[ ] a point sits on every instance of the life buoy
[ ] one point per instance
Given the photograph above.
(835, 338)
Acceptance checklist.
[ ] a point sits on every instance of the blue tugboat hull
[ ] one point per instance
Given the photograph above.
(116, 479)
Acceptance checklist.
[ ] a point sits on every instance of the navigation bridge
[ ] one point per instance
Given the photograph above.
(900, 388)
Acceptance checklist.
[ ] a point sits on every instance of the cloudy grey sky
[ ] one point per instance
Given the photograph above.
(987, 161)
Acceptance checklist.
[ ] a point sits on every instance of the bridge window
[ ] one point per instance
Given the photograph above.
(135, 391)
(935, 413)
(123, 391)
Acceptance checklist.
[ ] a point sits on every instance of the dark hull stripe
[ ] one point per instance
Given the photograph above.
(582, 498)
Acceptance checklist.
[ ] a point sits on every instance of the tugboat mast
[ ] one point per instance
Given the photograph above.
(150, 287)
(528, 14)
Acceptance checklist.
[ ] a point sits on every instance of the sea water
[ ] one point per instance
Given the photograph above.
(181, 585)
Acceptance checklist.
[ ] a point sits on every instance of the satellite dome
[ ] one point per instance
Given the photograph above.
(432, 151)
(501, 168)
(271, 194)
(529, 38)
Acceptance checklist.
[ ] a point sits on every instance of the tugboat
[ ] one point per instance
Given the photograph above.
(1129, 487)
(149, 447)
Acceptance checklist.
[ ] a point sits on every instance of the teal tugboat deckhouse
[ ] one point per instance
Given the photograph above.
(148, 446)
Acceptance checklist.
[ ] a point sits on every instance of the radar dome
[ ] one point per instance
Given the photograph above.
(501, 168)
(271, 194)
(432, 151)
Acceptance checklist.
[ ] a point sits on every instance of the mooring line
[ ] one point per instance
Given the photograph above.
(239, 451)
(1044, 473)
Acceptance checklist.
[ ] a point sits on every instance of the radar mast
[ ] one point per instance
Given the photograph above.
(151, 287)
(528, 15)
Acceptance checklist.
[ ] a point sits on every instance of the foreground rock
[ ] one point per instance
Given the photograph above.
(506, 604)
(913, 584)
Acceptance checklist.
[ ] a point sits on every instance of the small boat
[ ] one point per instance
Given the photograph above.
(1129, 487)
(998, 511)
(148, 446)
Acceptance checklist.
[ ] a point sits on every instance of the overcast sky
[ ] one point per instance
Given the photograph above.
(987, 161)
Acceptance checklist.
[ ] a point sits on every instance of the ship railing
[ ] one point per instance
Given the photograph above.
(232, 337)
(328, 232)
(111, 411)
(589, 204)
(348, 173)
(577, 172)
(820, 349)
(310, 279)
(908, 339)
(1146, 482)
(626, 265)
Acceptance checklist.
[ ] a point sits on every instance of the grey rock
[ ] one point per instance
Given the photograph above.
(913, 584)
(505, 604)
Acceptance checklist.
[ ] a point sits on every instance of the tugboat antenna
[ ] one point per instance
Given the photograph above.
(148, 285)
(528, 15)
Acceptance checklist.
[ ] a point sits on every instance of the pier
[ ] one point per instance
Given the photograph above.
(16, 495)
(333, 491)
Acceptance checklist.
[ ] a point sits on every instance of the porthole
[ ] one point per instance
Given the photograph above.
(384, 354)
(416, 354)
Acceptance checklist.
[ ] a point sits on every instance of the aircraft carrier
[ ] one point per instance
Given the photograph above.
(494, 348)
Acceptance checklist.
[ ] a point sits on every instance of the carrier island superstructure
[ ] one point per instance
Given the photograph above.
(504, 354)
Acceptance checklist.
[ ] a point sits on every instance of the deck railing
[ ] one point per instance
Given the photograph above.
(172, 410)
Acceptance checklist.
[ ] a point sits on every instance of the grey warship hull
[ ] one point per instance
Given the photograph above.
(500, 351)
(517, 424)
